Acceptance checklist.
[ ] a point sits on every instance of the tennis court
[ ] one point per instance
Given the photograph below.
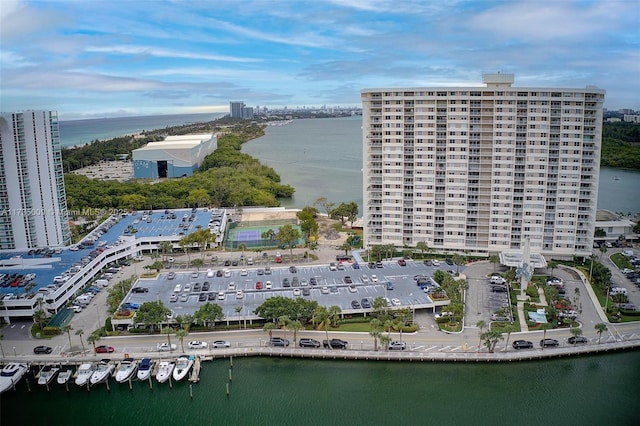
(251, 236)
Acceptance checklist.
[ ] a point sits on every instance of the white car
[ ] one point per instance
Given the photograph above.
(197, 344)
(243, 272)
(365, 279)
(232, 286)
(435, 262)
(227, 273)
(395, 302)
(221, 295)
(324, 290)
(221, 344)
(374, 279)
(194, 275)
(268, 285)
(296, 292)
(164, 347)
(239, 294)
(184, 297)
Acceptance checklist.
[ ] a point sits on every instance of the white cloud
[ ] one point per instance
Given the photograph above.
(167, 53)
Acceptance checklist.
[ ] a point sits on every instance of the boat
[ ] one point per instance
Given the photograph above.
(11, 374)
(65, 374)
(126, 369)
(183, 365)
(102, 372)
(145, 368)
(164, 371)
(84, 373)
(47, 374)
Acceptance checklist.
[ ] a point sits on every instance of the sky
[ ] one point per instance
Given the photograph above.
(107, 58)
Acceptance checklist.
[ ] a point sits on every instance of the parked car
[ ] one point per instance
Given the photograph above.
(402, 262)
(139, 290)
(353, 289)
(324, 290)
(197, 344)
(355, 304)
(522, 344)
(42, 350)
(296, 292)
(104, 349)
(239, 294)
(496, 317)
(258, 285)
(279, 341)
(348, 280)
(267, 285)
(435, 262)
(547, 343)
(285, 282)
(335, 344)
(573, 340)
(164, 347)
(221, 344)
(366, 303)
(397, 346)
(308, 343)
(293, 269)
(173, 298)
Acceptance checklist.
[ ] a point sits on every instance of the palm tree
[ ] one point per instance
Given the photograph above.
(600, 328)
(346, 247)
(334, 314)
(494, 258)
(545, 326)
(402, 315)
(576, 331)
(269, 327)
(321, 318)
(242, 247)
(283, 323)
(375, 331)
(552, 265)
(238, 309)
(422, 246)
(67, 329)
(165, 247)
(197, 263)
(481, 325)
(93, 338)
(491, 339)
(295, 325)
(168, 331)
(181, 333)
(80, 332)
(509, 329)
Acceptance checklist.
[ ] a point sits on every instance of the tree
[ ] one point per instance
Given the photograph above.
(208, 314)
(238, 309)
(481, 325)
(375, 330)
(295, 325)
(545, 326)
(384, 341)
(345, 210)
(198, 197)
(422, 246)
(181, 333)
(93, 338)
(269, 327)
(165, 247)
(288, 235)
(155, 266)
(40, 316)
(168, 332)
(402, 316)
(152, 314)
(80, 332)
(321, 319)
(185, 321)
(575, 331)
(346, 247)
(283, 323)
(491, 339)
(495, 259)
(509, 329)
(198, 263)
(600, 328)
(67, 329)
(325, 204)
(458, 260)
(552, 265)
(334, 314)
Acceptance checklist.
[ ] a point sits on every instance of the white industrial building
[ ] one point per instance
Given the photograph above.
(33, 204)
(176, 156)
(481, 169)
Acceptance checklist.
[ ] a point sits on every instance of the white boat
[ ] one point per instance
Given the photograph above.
(183, 365)
(164, 371)
(145, 368)
(102, 372)
(47, 374)
(126, 369)
(11, 374)
(84, 373)
(65, 374)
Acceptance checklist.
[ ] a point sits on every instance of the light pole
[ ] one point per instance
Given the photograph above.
(98, 312)
(413, 311)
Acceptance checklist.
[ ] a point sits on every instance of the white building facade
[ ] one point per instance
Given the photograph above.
(33, 203)
(479, 169)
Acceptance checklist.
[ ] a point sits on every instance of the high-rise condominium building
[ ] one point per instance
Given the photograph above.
(33, 204)
(480, 169)
(240, 110)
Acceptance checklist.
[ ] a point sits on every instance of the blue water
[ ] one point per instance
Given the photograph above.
(80, 132)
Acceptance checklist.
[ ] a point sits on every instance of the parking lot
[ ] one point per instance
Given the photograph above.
(238, 287)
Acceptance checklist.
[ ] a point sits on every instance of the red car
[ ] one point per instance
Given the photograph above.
(402, 262)
(259, 285)
(104, 349)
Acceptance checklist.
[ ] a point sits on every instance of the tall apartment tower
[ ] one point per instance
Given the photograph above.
(33, 204)
(481, 169)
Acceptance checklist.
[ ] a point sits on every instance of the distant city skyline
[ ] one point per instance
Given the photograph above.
(123, 58)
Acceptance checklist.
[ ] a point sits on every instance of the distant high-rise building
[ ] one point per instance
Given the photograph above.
(33, 204)
(240, 110)
(481, 169)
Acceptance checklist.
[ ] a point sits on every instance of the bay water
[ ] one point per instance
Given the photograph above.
(590, 390)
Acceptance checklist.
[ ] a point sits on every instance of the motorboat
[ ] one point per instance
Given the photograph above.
(102, 372)
(183, 366)
(11, 374)
(65, 374)
(84, 373)
(164, 371)
(145, 368)
(47, 374)
(126, 369)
